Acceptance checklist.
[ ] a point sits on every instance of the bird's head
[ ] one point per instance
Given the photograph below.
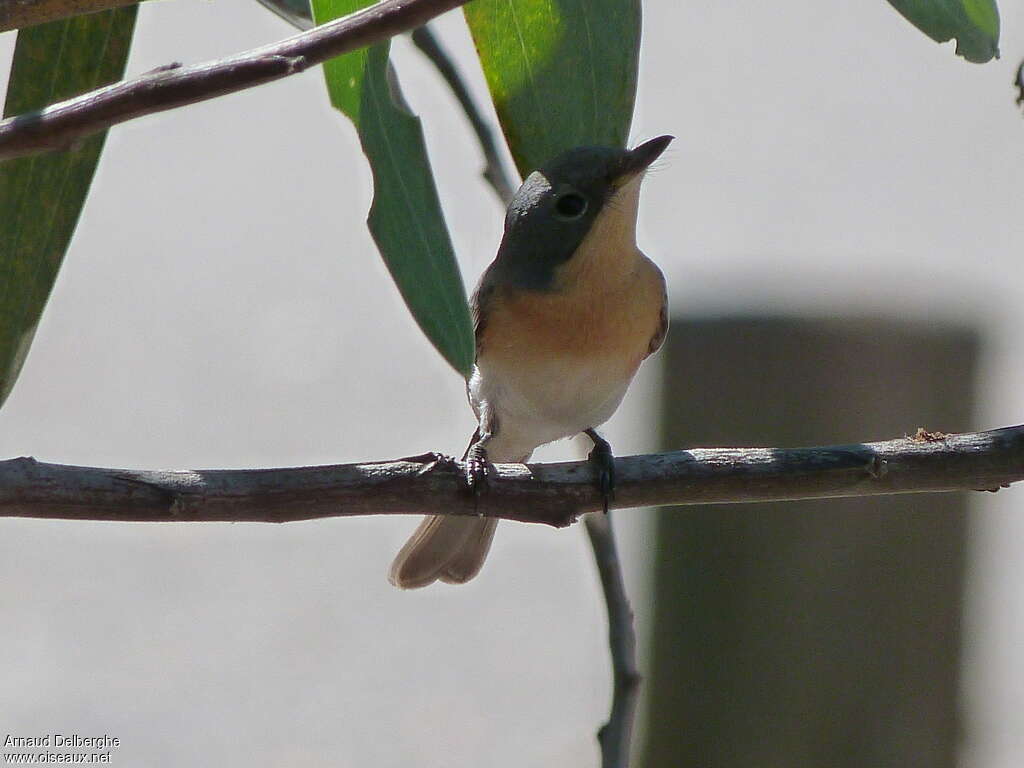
(587, 191)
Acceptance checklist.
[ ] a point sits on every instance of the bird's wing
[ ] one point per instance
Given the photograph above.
(659, 335)
(662, 329)
(479, 304)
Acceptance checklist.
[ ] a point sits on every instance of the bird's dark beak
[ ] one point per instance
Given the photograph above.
(639, 158)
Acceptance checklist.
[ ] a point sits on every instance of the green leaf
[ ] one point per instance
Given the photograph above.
(974, 24)
(41, 196)
(562, 73)
(405, 219)
(295, 12)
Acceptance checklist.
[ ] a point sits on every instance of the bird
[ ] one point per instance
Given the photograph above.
(563, 317)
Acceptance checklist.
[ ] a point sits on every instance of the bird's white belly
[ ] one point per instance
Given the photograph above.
(539, 403)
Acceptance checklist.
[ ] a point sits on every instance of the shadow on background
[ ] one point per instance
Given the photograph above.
(816, 633)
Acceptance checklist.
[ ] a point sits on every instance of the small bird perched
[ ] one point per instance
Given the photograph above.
(563, 317)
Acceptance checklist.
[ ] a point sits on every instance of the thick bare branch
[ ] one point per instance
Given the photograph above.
(555, 494)
(61, 125)
(15, 14)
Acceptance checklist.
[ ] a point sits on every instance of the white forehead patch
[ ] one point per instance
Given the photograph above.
(529, 195)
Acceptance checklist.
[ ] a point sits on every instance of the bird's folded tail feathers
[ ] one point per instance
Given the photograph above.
(446, 547)
(467, 562)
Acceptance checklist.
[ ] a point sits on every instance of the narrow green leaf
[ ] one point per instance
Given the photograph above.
(295, 12)
(41, 196)
(405, 219)
(562, 73)
(974, 24)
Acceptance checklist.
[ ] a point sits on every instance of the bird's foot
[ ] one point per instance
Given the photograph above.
(604, 463)
(478, 471)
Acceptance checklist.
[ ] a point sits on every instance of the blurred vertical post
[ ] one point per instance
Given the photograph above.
(816, 633)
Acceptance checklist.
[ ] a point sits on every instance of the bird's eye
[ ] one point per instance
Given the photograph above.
(571, 206)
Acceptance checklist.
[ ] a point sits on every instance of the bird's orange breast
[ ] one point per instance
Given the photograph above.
(595, 315)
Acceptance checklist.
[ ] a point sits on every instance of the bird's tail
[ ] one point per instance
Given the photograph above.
(446, 547)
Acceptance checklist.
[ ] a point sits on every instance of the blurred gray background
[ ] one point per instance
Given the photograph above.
(223, 306)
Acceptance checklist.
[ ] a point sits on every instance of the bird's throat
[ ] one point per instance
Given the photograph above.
(608, 254)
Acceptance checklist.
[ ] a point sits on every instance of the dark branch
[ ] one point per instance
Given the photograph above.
(615, 736)
(555, 494)
(1019, 82)
(61, 125)
(494, 170)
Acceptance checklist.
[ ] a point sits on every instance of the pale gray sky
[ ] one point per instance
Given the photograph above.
(223, 306)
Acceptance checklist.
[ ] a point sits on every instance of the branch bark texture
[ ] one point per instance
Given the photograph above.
(555, 494)
(61, 125)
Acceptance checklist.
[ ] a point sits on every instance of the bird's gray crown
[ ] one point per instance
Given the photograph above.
(553, 210)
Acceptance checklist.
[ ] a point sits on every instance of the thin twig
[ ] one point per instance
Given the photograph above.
(615, 736)
(555, 494)
(61, 125)
(494, 172)
(16, 14)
